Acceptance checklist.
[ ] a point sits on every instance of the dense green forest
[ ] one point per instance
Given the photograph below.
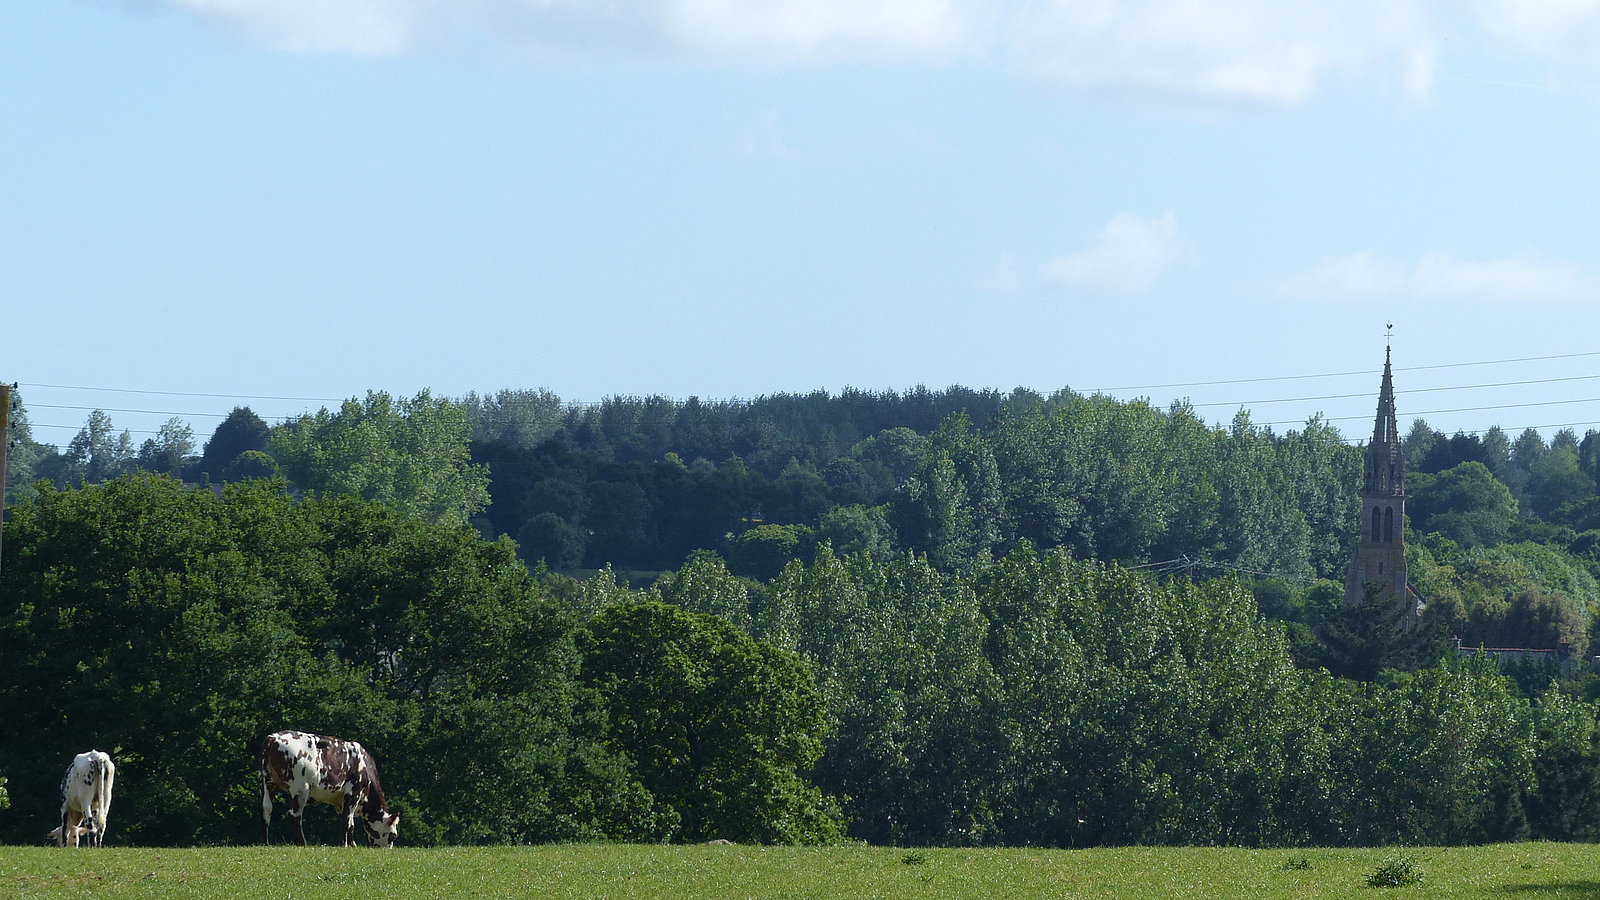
(1505, 533)
(952, 617)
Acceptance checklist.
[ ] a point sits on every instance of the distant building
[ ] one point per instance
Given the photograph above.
(1560, 659)
(1379, 562)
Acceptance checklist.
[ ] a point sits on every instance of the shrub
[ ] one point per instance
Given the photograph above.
(1397, 871)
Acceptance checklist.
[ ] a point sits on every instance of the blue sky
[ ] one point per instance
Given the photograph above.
(210, 203)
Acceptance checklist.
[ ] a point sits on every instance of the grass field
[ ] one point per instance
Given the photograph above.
(1503, 872)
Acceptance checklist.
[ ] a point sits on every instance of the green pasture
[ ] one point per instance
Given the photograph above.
(1529, 871)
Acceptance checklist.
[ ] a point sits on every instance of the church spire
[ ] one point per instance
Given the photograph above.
(1386, 429)
(1385, 475)
(1379, 563)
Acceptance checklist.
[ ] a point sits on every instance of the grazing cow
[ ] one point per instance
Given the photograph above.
(342, 774)
(85, 800)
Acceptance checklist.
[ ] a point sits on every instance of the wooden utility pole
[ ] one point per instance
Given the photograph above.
(5, 444)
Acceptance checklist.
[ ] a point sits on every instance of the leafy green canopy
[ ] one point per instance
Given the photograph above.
(412, 453)
(1029, 698)
(716, 724)
(173, 628)
(1041, 700)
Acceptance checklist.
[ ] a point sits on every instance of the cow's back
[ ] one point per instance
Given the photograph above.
(86, 796)
(297, 763)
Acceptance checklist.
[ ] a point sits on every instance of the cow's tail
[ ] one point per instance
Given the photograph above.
(96, 785)
(105, 774)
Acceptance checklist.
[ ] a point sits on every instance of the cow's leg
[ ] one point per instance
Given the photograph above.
(72, 827)
(92, 826)
(297, 808)
(349, 821)
(266, 809)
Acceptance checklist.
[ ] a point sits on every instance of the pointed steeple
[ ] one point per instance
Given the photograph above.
(1379, 562)
(1386, 430)
(1385, 476)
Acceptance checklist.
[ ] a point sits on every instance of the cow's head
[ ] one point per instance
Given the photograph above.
(383, 831)
(73, 834)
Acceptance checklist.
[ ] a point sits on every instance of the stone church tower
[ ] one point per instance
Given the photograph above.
(1380, 558)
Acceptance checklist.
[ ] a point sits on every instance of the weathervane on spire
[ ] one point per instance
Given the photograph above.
(1388, 335)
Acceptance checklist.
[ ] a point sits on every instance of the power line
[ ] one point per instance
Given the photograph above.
(73, 387)
(1368, 372)
(1364, 372)
(1187, 564)
(1440, 412)
(1522, 428)
(1209, 404)
(1242, 403)
(1506, 429)
(112, 409)
(1432, 390)
(33, 425)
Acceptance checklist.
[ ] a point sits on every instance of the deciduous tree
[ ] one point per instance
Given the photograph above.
(411, 453)
(719, 727)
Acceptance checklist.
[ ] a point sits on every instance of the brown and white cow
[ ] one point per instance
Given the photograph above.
(85, 800)
(340, 773)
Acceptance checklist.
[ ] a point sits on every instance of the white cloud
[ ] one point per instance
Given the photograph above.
(362, 27)
(802, 29)
(1258, 50)
(1358, 275)
(1267, 51)
(1130, 255)
(1567, 29)
(760, 30)
(1442, 276)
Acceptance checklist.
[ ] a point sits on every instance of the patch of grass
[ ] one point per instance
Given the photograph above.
(622, 872)
(1397, 871)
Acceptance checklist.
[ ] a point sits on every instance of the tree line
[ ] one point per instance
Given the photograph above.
(953, 596)
(1505, 532)
(1029, 699)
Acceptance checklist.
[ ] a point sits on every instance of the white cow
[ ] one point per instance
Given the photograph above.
(85, 800)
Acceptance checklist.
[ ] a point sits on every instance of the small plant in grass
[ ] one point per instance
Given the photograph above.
(1397, 871)
(1297, 863)
(914, 858)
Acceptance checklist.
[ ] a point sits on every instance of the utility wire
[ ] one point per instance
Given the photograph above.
(112, 409)
(1440, 412)
(1364, 372)
(73, 387)
(1208, 404)
(1432, 390)
(1368, 372)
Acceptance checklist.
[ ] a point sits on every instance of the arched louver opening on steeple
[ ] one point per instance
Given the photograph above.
(1388, 524)
(1376, 520)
